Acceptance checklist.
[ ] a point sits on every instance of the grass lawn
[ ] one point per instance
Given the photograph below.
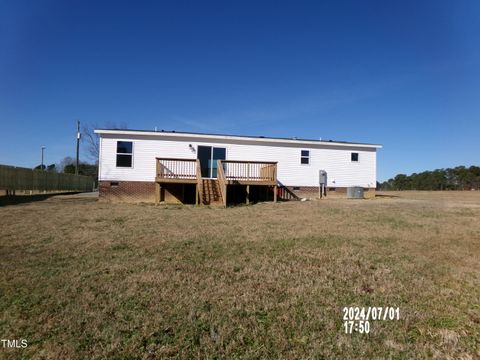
(86, 279)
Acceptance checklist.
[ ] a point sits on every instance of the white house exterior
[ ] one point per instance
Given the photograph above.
(128, 159)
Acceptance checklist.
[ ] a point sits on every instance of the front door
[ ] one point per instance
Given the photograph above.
(208, 156)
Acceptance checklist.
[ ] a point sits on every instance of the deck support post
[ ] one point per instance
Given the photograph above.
(197, 195)
(248, 195)
(158, 195)
(275, 193)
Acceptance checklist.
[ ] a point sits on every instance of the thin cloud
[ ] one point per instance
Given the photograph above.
(297, 108)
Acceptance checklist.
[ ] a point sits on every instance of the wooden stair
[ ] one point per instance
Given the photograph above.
(211, 193)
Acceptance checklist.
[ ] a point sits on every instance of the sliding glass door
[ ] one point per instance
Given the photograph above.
(204, 154)
(208, 156)
(217, 154)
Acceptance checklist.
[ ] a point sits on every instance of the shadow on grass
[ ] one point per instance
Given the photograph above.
(22, 199)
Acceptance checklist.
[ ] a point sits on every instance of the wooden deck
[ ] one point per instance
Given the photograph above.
(249, 172)
(229, 173)
(183, 171)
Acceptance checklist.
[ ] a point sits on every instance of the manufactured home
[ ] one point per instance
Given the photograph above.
(180, 167)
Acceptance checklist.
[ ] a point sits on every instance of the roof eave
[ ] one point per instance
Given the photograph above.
(232, 137)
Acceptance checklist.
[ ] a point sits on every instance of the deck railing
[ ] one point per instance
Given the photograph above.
(169, 168)
(222, 181)
(189, 169)
(263, 171)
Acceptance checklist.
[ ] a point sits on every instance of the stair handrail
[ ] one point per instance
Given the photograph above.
(199, 183)
(222, 182)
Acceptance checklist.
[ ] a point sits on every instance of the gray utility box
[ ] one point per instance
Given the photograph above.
(355, 192)
(322, 177)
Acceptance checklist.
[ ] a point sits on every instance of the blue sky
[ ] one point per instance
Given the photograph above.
(405, 74)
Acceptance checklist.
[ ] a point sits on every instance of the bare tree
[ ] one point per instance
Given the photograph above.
(92, 141)
(68, 160)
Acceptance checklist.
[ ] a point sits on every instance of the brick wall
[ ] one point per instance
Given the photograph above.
(127, 191)
(144, 191)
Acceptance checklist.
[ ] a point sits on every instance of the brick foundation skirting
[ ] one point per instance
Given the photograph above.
(127, 191)
(144, 191)
(313, 191)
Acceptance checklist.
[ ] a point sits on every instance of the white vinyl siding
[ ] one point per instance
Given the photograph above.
(336, 160)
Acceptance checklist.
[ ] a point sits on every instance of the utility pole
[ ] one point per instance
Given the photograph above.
(41, 166)
(78, 146)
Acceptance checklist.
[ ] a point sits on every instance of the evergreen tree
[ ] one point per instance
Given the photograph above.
(458, 178)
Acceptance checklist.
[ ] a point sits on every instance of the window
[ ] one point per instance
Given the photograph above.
(354, 156)
(124, 153)
(305, 157)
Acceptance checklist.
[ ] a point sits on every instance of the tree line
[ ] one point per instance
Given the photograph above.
(67, 166)
(457, 178)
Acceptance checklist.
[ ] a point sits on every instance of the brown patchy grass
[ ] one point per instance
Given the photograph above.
(83, 279)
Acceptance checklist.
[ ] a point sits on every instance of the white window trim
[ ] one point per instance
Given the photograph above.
(117, 153)
(305, 157)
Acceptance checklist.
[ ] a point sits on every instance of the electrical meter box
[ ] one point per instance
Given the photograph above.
(322, 175)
